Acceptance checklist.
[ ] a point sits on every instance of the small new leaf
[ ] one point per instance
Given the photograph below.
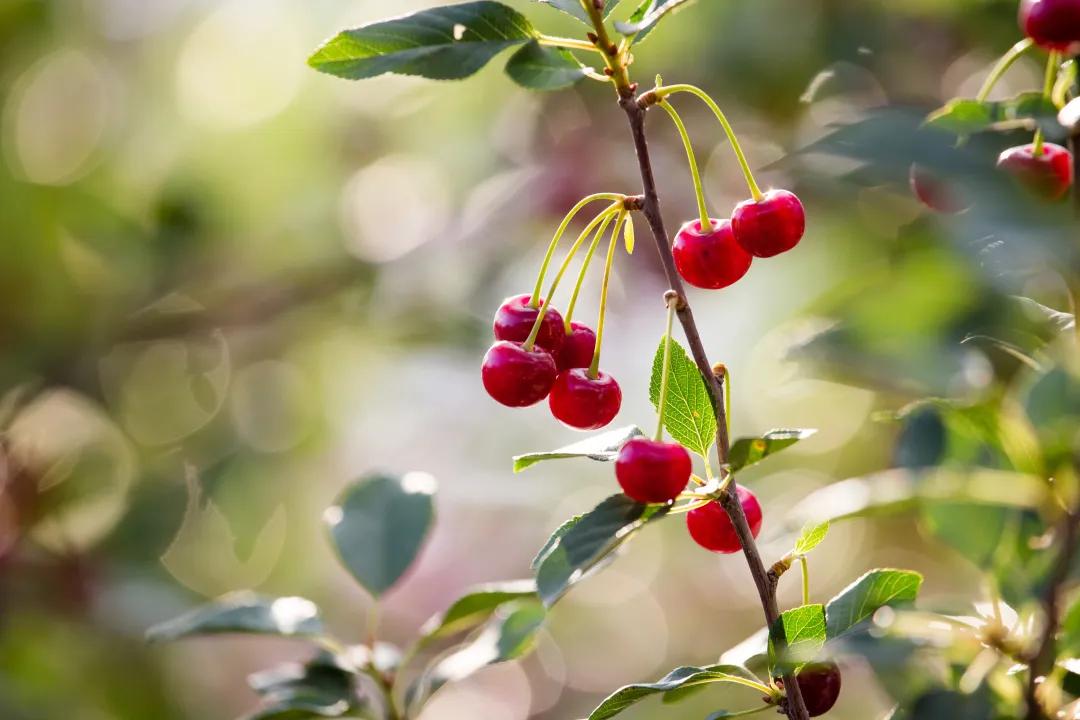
(603, 447)
(544, 68)
(749, 451)
(812, 535)
(244, 613)
(679, 679)
(445, 43)
(689, 415)
(647, 15)
(874, 590)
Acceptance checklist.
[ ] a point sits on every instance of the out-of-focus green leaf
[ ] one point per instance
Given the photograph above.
(544, 68)
(801, 632)
(379, 524)
(244, 613)
(966, 117)
(683, 678)
(1051, 400)
(475, 607)
(575, 9)
(688, 415)
(860, 600)
(580, 545)
(444, 43)
(603, 447)
(1069, 640)
(647, 15)
(322, 687)
(749, 451)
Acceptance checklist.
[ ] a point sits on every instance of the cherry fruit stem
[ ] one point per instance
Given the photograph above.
(695, 172)
(1048, 90)
(594, 367)
(1007, 60)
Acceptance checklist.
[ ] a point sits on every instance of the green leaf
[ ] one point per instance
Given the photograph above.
(812, 535)
(475, 607)
(603, 447)
(1069, 642)
(966, 117)
(647, 15)
(323, 687)
(445, 43)
(689, 415)
(379, 524)
(299, 710)
(244, 613)
(678, 679)
(749, 451)
(544, 68)
(801, 631)
(874, 590)
(582, 543)
(574, 8)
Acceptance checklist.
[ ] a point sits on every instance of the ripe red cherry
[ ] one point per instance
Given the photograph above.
(1053, 24)
(769, 226)
(1048, 175)
(710, 260)
(820, 686)
(711, 527)
(515, 318)
(517, 377)
(577, 347)
(935, 193)
(583, 402)
(651, 471)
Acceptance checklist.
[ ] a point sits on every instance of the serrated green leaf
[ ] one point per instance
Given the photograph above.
(682, 678)
(647, 15)
(812, 535)
(575, 9)
(860, 600)
(801, 632)
(581, 544)
(689, 416)
(244, 613)
(544, 68)
(445, 43)
(603, 447)
(379, 524)
(749, 451)
(475, 607)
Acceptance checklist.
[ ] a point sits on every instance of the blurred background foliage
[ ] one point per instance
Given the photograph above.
(216, 260)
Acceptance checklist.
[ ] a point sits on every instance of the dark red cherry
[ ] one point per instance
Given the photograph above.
(1047, 175)
(577, 347)
(583, 402)
(769, 226)
(711, 527)
(517, 377)
(820, 686)
(935, 193)
(515, 318)
(710, 260)
(1053, 24)
(651, 471)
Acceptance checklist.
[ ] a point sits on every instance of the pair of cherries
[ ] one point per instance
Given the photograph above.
(556, 367)
(720, 255)
(653, 471)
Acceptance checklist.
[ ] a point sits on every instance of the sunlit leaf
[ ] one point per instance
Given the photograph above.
(812, 535)
(603, 447)
(244, 613)
(801, 632)
(682, 678)
(544, 68)
(689, 415)
(475, 607)
(749, 451)
(647, 15)
(860, 600)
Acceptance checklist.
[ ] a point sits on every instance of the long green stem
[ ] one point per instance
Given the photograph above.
(568, 43)
(805, 579)
(672, 300)
(535, 301)
(603, 219)
(1048, 89)
(594, 367)
(1007, 60)
(695, 172)
(663, 92)
(569, 316)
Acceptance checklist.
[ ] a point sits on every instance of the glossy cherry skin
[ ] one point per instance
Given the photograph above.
(577, 347)
(770, 226)
(1048, 175)
(651, 471)
(515, 318)
(583, 402)
(711, 528)
(1053, 24)
(517, 377)
(935, 193)
(709, 260)
(820, 686)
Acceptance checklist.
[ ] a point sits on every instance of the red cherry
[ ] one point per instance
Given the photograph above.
(515, 318)
(710, 260)
(1048, 175)
(517, 377)
(583, 402)
(769, 226)
(935, 193)
(1053, 24)
(820, 686)
(651, 471)
(577, 347)
(711, 527)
